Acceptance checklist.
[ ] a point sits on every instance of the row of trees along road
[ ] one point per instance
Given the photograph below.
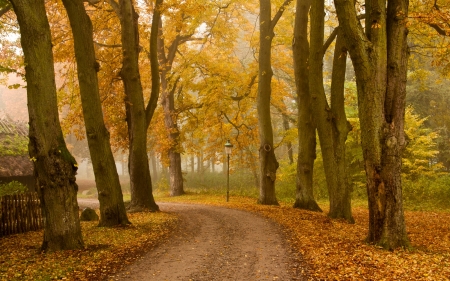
(214, 79)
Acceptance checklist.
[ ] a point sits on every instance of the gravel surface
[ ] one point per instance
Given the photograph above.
(213, 243)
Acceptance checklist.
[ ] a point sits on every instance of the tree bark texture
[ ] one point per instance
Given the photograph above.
(112, 208)
(322, 111)
(154, 63)
(268, 161)
(304, 198)
(54, 166)
(170, 118)
(340, 196)
(140, 180)
(380, 61)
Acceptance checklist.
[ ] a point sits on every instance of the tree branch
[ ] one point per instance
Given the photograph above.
(154, 64)
(5, 9)
(279, 13)
(250, 85)
(330, 39)
(438, 29)
(115, 6)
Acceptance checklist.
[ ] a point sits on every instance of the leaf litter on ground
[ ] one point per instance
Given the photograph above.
(107, 250)
(328, 249)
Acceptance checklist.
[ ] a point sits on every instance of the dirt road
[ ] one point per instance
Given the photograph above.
(215, 243)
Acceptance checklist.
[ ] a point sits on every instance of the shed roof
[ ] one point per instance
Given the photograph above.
(15, 166)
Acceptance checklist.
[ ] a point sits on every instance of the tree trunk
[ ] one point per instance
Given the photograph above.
(288, 144)
(170, 118)
(54, 166)
(200, 163)
(140, 180)
(268, 161)
(306, 125)
(154, 166)
(112, 208)
(340, 198)
(327, 123)
(175, 172)
(381, 109)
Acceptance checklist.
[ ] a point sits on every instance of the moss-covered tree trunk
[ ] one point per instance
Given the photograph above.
(54, 166)
(340, 197)
(327, 122)
(304, 198)
(379, 57)
(140, 180)
(112, 208)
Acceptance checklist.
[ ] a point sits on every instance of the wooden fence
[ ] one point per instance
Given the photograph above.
(20, 213)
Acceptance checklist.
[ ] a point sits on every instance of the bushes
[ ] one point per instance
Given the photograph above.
(427, 191)
(11, 188)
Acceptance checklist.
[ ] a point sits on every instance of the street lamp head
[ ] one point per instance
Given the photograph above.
(228, 147)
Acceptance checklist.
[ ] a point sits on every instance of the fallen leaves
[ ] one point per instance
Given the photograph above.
(107, 250)
(328, 249)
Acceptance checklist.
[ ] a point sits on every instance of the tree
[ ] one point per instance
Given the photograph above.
(54, 166)
(112, 208)
(140, 180)
(379, 55)
(268, 161)
(330, 120)
(304, 198)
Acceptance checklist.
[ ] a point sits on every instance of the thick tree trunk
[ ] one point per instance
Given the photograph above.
(112, 208)
(304, 198)
(268, 161)
(54, 166)
(140, 180)
(381, 110)
(340, 198)
(322, 111)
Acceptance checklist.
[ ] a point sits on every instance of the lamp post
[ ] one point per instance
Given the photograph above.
(228, 147)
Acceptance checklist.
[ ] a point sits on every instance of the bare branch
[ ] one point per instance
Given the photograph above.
(250, 85)
(438, 29)
(278, 15)
(330, 39)
(115, 6)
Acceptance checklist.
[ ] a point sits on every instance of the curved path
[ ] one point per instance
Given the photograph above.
(213, 243)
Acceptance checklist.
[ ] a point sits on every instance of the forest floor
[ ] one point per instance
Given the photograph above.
(319, 248)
